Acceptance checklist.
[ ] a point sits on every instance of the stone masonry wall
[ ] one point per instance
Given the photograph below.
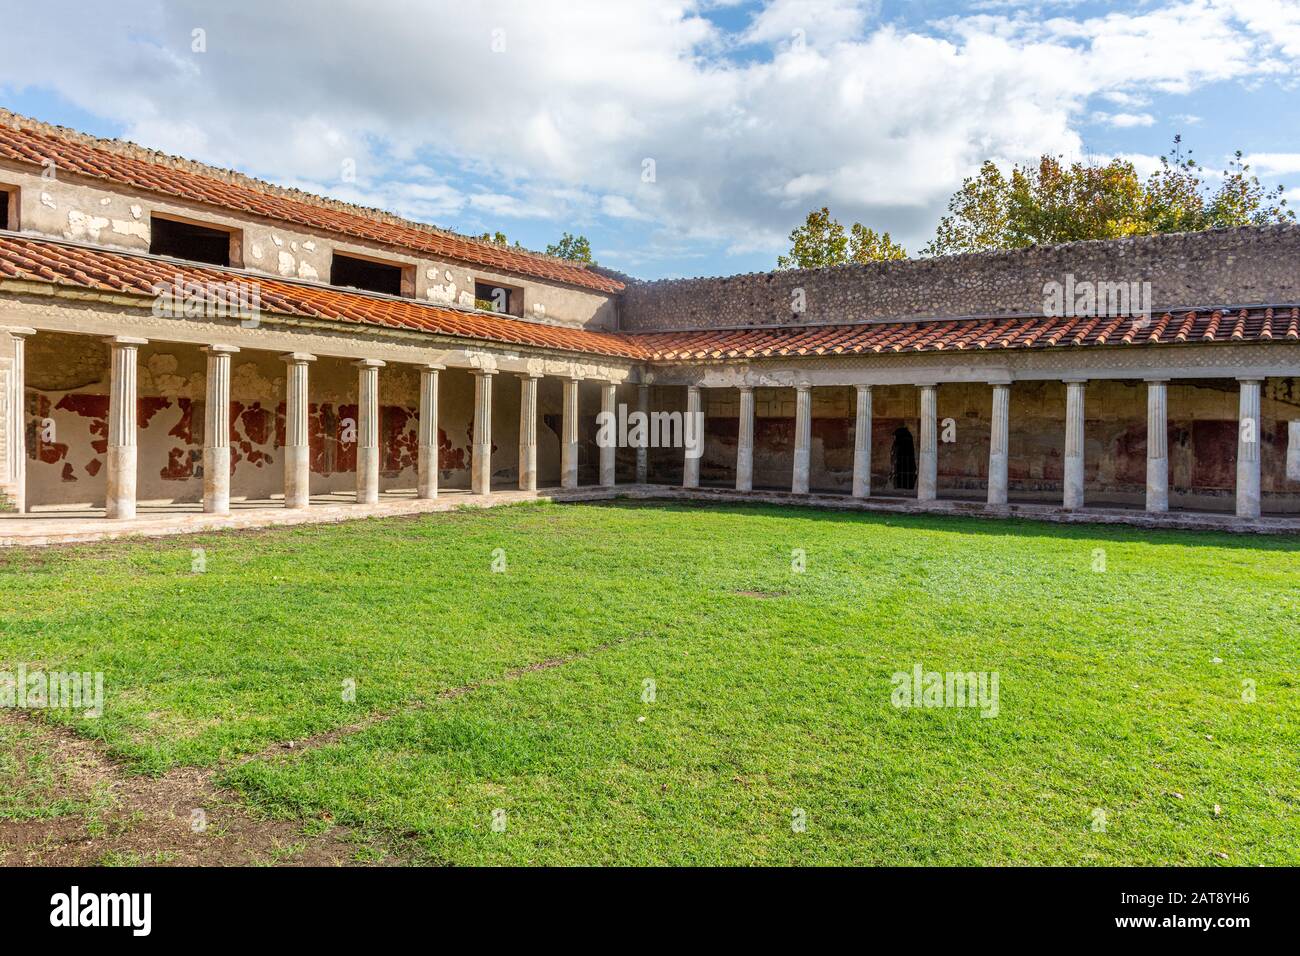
(1221, 267)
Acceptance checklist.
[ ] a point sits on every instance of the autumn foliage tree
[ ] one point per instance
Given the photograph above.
(821, 241)
(1051, 203)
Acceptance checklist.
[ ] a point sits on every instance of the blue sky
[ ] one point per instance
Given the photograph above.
(684, 137)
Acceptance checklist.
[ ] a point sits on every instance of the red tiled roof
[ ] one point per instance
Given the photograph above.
(1257, 324)
(27, 145)
(44, 261)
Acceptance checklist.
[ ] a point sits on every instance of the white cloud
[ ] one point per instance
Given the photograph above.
(1274, 164)
(1124, 120)
(747, 131)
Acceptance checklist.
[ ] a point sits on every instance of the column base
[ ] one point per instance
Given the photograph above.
(216, 480)
(367, 476)
(120, 500)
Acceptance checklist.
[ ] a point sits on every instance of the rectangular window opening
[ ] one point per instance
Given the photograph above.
(368, 275)
(495, 297)
(190, 241)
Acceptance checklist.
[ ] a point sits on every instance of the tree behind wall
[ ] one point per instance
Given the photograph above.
(1051, 203)
(821, 241)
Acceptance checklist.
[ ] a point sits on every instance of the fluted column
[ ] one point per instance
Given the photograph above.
(927, 465)
(1248, 442)
(13, 422)
(122, 398)
(1072, 496)
(745, 441)
(999, 440)
(297, 444)
(608, 399)
(643, 450)
(691, 463)
(528, 432)
(368, 430)
(569, 442)
(481, 462)
(1157, 445)
(802, 439)
(862, 444)
(427, 453)
(216, 431)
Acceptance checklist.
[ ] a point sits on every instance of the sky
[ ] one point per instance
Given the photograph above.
(682, 137)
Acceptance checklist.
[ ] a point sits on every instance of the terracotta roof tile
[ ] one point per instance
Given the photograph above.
(73, 155)
(34, 259)
(1204, 325)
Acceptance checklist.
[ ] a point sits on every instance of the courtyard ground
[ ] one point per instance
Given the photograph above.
(657, 683)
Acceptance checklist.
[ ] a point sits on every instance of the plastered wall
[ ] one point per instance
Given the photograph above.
(77, 208)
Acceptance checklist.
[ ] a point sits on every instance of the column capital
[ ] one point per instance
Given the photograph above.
(1250, 378)
(694, 388)
(430, 367)
(1075, 380)
(527, 375)
(369, 363)
(297, 358)
(21, 331)
(803, 388)
(126, 341)
(745, 388)
(999, 381)
(862, 388)
(483, 371)
(221, 349)
(1155, 381)
(927, 384)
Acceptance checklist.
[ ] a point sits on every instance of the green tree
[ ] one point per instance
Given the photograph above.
(821, 241)
(575, 248)
(1051, 202)
(497, 238)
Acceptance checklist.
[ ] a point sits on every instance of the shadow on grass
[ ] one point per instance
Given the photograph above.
(970, 524)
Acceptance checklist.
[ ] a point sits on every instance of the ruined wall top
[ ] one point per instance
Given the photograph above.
(1246, 266)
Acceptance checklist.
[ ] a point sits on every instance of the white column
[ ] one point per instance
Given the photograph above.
(569, 440)
(862, 444)
(999, 440)
(927, 465)
(1157, 446)
(1072, 496)
(216, 431)
(13, 422)
(297, 450)
(691, 464)
(481, 462)
(608, 406)
(528, 432)
(427, 452)
(802, 439)
(1248, 442)
(745, 441)
(368, 430)
(643, 452)
(122, 398)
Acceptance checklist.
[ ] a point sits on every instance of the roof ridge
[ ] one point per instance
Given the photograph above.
(233, 177)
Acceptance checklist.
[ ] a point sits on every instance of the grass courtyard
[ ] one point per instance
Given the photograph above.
(678, 684)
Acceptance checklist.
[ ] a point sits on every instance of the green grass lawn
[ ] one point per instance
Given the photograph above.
(1123, 692)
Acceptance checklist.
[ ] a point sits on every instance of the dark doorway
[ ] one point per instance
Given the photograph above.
(902, 460)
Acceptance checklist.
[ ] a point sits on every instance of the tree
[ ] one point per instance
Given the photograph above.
(575, 248)
(821, 241)
(497, 238)
(1050, 203)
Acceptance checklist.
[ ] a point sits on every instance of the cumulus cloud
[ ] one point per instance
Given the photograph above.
(641, 111)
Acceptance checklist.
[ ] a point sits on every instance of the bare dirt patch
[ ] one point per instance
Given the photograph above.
(131, 819)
